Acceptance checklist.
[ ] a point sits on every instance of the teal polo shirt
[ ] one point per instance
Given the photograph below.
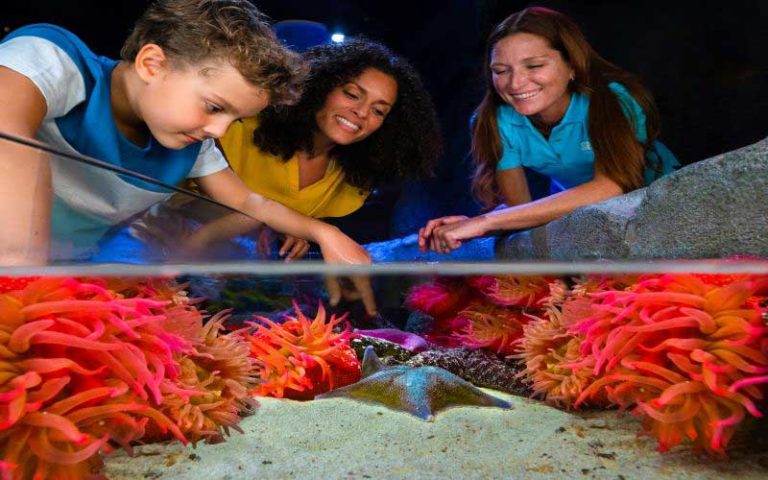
(567, 156)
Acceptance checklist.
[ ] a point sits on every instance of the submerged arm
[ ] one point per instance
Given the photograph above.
(225, 187)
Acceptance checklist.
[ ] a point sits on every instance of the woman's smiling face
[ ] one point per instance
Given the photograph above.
(356, 109)
(531, 76)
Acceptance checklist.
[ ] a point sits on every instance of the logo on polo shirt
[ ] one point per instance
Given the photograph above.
(585, 146)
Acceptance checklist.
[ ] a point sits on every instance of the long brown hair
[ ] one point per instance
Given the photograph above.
(618, 154)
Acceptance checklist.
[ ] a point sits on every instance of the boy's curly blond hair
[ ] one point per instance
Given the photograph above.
(191, 31)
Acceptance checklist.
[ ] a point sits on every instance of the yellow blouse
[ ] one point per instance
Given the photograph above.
(270, 176)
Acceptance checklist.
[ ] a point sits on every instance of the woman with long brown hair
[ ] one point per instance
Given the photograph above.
(555, 106)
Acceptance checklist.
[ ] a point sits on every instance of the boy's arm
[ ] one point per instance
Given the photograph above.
(25, 177)
(224, 186)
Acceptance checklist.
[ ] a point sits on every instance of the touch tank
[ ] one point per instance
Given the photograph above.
(149, 351)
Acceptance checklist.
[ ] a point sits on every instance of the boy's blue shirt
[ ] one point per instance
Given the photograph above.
(76, 85)
(90, 128)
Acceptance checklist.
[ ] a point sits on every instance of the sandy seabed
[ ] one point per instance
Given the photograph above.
(342, 439)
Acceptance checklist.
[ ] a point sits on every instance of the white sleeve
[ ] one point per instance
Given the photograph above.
(50, 69)
(209, 161)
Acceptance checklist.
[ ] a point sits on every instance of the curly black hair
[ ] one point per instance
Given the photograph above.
(406, 145)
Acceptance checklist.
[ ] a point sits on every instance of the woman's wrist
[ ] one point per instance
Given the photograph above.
(487, 222)
(322, 232)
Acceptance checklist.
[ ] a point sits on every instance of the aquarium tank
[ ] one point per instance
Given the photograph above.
(151, 346)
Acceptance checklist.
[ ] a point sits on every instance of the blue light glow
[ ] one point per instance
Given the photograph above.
(337, 37)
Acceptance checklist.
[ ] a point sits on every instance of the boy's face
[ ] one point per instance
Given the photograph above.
(185, 105)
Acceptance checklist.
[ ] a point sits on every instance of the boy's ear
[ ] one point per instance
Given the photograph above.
(150, 62)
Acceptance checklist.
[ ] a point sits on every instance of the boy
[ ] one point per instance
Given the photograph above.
(189, 69)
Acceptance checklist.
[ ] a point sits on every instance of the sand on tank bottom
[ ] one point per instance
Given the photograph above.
(342, 439)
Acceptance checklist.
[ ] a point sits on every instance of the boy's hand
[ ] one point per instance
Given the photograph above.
(339, 248)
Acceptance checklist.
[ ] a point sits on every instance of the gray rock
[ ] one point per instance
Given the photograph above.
(715, 208)
(711, 209)
(592, 232)
(389, 352)
(418, 322)
(528, 244)
(478, 367)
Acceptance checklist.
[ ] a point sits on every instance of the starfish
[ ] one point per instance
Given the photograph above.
(420, 391)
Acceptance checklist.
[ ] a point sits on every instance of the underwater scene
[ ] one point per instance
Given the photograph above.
(158, 347)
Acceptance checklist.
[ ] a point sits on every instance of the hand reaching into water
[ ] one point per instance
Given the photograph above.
(339, 248)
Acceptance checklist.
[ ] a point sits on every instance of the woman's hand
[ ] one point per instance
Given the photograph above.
(339, 248)
(293, 248)
(446, 234)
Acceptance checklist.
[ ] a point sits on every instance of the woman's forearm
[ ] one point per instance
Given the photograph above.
(550, 208)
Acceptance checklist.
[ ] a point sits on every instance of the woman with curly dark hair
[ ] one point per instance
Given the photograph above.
(364, 120)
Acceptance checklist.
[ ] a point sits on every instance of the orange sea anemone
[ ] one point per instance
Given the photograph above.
(509, 290)
(213, 388)
(301, 358)
(491, 327)
(155, 288)
(555, 366)
(684, 352)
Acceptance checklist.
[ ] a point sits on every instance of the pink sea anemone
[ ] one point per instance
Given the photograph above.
(513, 290)
(478, 312)
(75, 360)
(301, 358)
(549, 353)
(212, 391)
(84, 367)
(550, 350)
(491, 327)
(684, 352)
(444, 297)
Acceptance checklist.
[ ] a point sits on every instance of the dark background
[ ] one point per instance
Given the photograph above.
(705, 61)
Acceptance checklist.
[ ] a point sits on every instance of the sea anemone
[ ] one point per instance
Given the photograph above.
(301, 358)
(75, 362)
(155, 288)
(478, 312)
(444, 297)
(213, 388)
(548, 353)
(555, 366)
(9, 284)
(682, 351)
(511, 290)
(491, 327)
